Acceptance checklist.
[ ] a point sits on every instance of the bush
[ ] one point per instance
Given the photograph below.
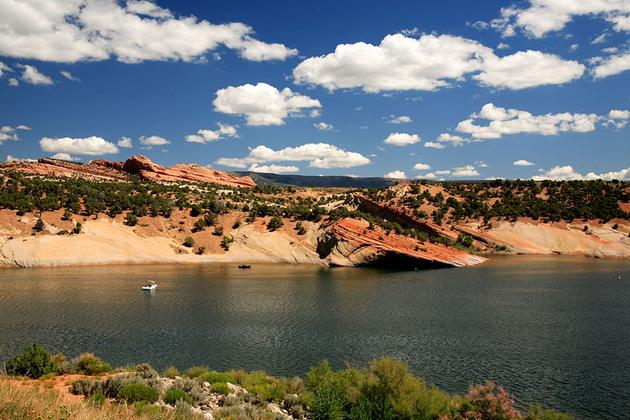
(62, 365)
(199, 225)
(226, 241)
(89, 364)
(237, 224)
(218, 231)
(196, 371)
(300, 228)
(189, 242)
(220, 388)
(170, 372)
(275, 223)
(97, 399)
(39, 225)
(77, 228)
(34, 361)
(175, 394)
(138, 392)
(131, 219)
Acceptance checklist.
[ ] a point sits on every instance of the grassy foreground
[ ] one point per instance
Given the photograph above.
(38, 385)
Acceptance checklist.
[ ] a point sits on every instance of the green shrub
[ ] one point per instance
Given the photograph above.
(97, 399)
(34, 361)
(218, 231)
(77, 228)
(220, 388)
(131, 219)
(39, 225)
(170, 372)
(237, 224)
(199, 225)
(89, 364)
(62, 364)
(138, 392)
(188, 242)
(196, 371)
(275, 223)
(175, 394)
(214, 376)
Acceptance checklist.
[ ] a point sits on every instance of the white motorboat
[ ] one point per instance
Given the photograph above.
(150, 286)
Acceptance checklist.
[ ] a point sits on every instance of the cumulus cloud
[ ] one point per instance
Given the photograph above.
(541, 17)
(434, 145)
(4, 69)
(421, 167)
(262, 104)
(11, 158)
(612, 65)
(274, 169)
(131, 32)
(401, 119)
(523, 162)
(429, 63)
(464, 171)
(207, 136)
(618, 118)
(319, 155)
(567, 173)
(10, 133)
(69, 76)
(31, 75)
(148, 142)
(452, 139)
(91, 146)
(395, 175)
(65, 156)
(502, 121)
(14, 82)
(401, 139)
(526, 69)
(322, 126)
(125, 142)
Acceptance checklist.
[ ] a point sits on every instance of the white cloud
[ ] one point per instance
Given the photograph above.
(454, 140)
(4, 69)
(502, 46)
(31, 75)
(322, 126)
(262, 104)
(421, 167)
(401, 139)
(523, 162)
(618, 118)
(92, 30)
(319, 155)
(91, 146)
(545, 16)
(526, 69)
(429, 63)
(69, 76)
(434, 145)
(150, 141)
(125, 142)
(14, 82)
(9, 133)
(573, 47)
(504, 121)
(465, 171)
(207, 136)
(11, 158)
(395, 175)
(443, 172)
(430, 175)
(64, 156)
(401, 119)
(567, 173)
(612, 65)
(277, 169)
(600, 39)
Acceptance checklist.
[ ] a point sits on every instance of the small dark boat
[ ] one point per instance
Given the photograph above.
(244, 266)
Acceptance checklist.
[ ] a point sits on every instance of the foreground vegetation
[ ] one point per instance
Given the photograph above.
(385, 389)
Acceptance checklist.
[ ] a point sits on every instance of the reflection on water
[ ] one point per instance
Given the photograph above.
(554, 330)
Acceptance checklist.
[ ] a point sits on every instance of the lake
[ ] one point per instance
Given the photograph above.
(554, 330)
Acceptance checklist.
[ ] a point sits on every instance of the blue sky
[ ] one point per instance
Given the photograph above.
(548, 85)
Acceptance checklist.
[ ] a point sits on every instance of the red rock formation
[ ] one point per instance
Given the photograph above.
(138, 165)
(375, 244)
(144, 167)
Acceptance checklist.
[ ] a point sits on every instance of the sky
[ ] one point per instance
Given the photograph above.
(531, 89)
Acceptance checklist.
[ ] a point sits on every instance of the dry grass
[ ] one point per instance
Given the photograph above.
(27, 401)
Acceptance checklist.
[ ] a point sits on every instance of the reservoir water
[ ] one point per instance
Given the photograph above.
(554, 330)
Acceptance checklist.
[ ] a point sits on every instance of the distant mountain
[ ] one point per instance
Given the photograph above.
(316, 181)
